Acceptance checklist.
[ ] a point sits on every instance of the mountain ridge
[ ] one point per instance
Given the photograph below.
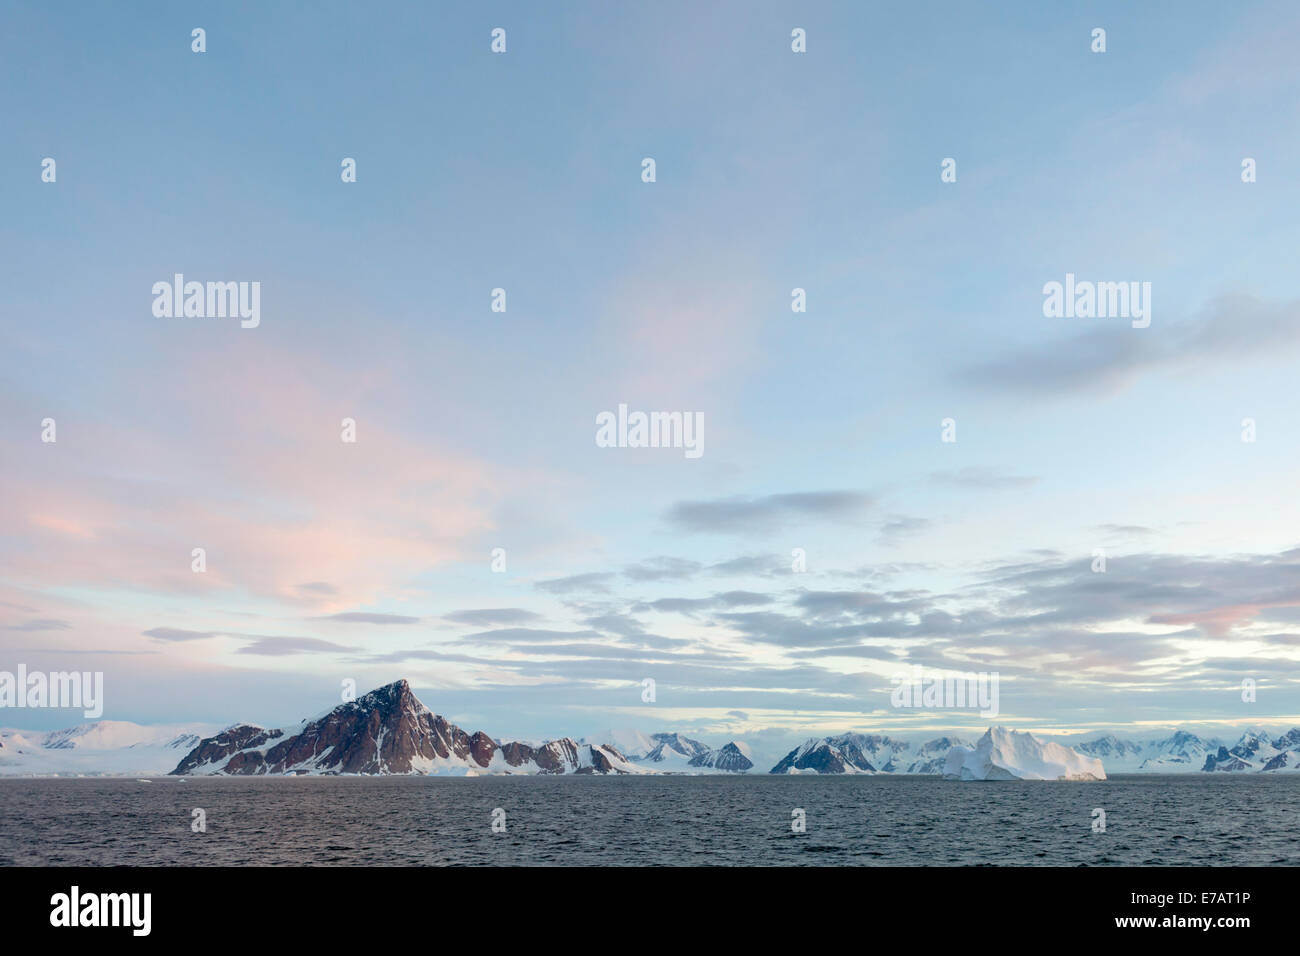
(390, 731)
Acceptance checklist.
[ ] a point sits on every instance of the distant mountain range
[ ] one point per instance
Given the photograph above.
(105, 747)
(389, 731)
(1255, 752)
(673, 753)
(867, 753)
(1179, 752)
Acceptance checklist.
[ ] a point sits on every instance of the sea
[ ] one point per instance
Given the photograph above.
(760, 820)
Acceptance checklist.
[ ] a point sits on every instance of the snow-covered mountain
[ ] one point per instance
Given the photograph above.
(1112, 749)
(1184, 752)
(630, 743)
(1287, 756)
(866, 753)
(733, 757)
(1179, 752)
(1003, 754)
(389, 731)
(1256, 752)
(100, 748)
(929, 757)
(1166, 752)
(675, 753)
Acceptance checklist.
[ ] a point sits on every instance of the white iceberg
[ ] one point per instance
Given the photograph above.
(1003, 754)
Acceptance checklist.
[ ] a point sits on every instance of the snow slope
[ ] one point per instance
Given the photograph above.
(1256, 751)
(675, 753)
(630, 743)
(731, 757)
(99, 748)
(1003, 754)
(866, 753)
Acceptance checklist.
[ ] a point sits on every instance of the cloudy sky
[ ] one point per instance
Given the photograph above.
(372, 560)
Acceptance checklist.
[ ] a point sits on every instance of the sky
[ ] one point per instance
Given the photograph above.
(370, 561)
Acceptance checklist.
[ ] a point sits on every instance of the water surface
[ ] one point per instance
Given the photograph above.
(1207, 820)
